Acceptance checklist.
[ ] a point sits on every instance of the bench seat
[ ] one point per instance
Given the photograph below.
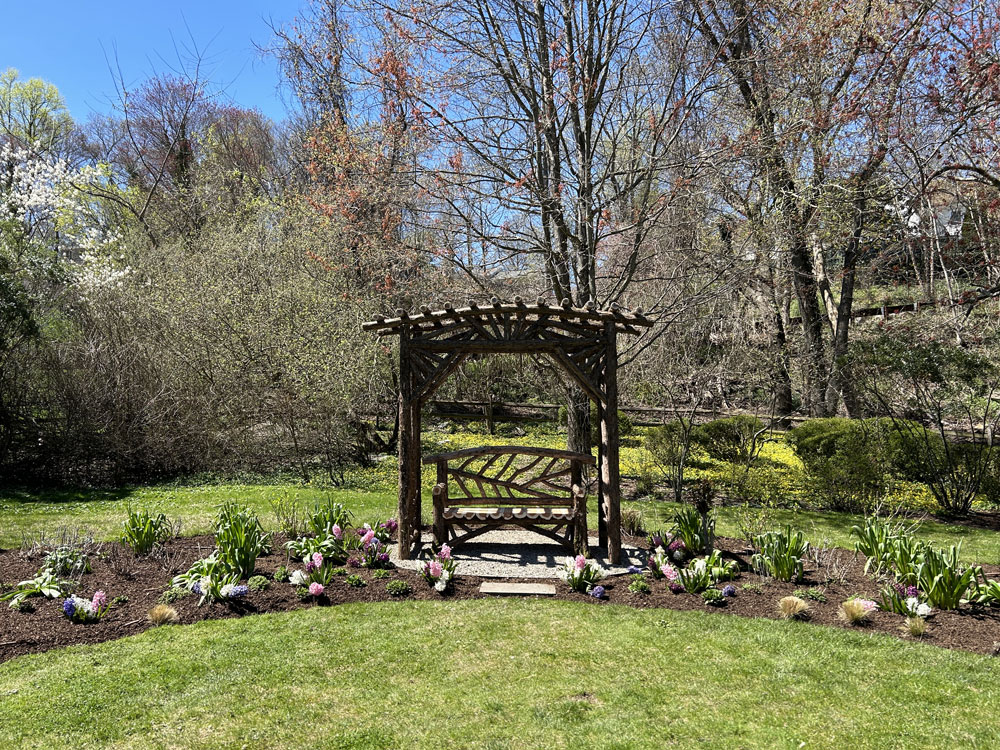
(480, 489)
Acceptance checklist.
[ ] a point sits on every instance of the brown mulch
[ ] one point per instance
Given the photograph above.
(144, 579)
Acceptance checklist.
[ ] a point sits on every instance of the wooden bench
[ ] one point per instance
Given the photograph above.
(480, 489)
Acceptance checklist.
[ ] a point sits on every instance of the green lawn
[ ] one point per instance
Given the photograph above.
(501, 674)
(101, 512)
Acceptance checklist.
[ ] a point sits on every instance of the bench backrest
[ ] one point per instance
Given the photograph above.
(511, 475)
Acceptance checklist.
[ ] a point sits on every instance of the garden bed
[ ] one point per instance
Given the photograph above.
(143, 580)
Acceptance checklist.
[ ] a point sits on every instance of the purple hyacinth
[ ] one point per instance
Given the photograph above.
(69, 607)
(912, 591)
(383, 557)
(729, 590)
(196, 588)
(634, 569)
(391, 525)
(238, 592)
(677, 588)
(657, 541)
(597, 592)
(353, 562)
(676, 545)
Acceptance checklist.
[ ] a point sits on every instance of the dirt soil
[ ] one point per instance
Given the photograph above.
(837, 573)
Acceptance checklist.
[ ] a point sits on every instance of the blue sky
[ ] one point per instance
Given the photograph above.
(70, 44)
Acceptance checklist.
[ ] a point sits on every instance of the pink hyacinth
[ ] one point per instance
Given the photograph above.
(580, 563)
(366, 539)
(436, 569)
(100, 600)
(317, 559)
(669, 572)
(338, 533)
(315, 589)
(445, 553)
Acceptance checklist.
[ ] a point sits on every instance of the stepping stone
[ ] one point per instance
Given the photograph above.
(517, 589)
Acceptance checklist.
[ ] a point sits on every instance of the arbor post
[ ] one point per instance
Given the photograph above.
(610, 472)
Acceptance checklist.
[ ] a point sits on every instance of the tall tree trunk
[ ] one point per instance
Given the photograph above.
(577, 419)
(840, 378)
(814, 357)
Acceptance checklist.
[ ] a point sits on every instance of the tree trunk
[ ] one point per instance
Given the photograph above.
(577, 420)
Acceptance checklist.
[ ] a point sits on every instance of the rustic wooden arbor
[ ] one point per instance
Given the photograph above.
(432, 344)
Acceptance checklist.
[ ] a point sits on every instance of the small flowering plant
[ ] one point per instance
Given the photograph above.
(439, 571)
(580, 573)
(316, 590)
(904, 599)
(80, 610)
(219, 589)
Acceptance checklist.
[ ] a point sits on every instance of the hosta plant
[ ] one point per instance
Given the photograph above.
(142, 531)
(781, 554)
(580, 573)
(80, 610)
(439, 571)
(45, 584)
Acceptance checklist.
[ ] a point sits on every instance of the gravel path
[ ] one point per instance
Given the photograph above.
(517, 554)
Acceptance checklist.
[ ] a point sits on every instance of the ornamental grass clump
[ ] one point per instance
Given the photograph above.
(439, 571)
(781, 554)
(857, 611)
(793, 608)
(162, 614)
(82, 611)
(580, 573)
(915, 626)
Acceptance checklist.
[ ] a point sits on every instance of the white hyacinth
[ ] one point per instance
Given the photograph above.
(441, 584)
(299, 578)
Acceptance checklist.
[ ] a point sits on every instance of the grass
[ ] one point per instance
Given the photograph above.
(370, 493)
(101, 512)
(831, 529)
(423, 675)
